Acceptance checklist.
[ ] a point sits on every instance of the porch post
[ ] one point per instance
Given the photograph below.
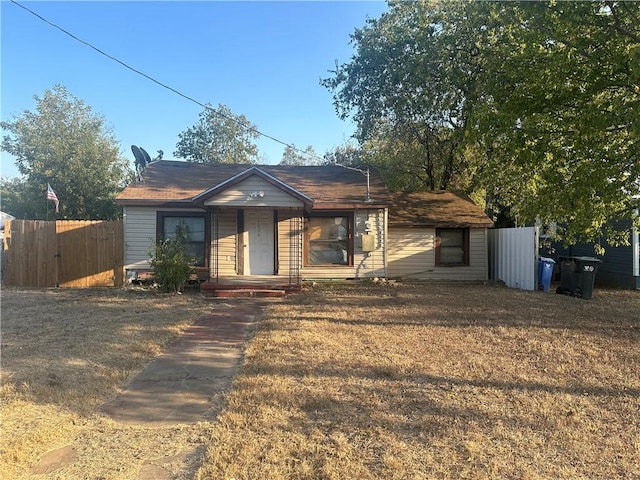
(295, 252)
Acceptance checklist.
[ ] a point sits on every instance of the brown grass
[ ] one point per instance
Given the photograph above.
(436, 382)
(64, 353)
(428, 381)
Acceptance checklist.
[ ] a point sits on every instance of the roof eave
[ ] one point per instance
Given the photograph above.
(348, 205)
(439, 225)
(146, 202)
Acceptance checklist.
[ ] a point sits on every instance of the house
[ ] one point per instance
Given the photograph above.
(620, 265)
(437, 235)
(294, 223)
(291, 222)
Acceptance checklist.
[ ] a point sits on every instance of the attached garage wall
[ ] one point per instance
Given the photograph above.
(412, 255)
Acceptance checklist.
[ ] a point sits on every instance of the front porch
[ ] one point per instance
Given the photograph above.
(251, 286)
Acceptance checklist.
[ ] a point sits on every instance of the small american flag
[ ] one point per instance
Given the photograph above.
(51, 195)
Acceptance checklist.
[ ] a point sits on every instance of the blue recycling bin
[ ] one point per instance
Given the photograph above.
(545, 272)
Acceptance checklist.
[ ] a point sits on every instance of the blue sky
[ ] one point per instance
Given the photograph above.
(261, 59)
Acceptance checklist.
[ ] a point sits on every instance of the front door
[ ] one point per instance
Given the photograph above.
(259, 257)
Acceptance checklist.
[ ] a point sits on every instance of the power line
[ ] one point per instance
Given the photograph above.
(163, 85)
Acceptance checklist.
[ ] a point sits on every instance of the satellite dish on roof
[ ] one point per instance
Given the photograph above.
(147, 158)
(141, 160)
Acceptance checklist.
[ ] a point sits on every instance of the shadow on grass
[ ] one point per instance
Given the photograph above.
(462, 306)
(374, 373)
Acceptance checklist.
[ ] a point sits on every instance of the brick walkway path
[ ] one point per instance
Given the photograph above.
(177, 387)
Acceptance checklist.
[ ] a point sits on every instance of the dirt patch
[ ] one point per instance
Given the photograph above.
(54, 460)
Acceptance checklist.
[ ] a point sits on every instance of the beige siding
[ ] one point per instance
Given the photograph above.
(227, 242)
(238, 195)
(365, 264)
(140, 234)
(290, 239)
(412, 255)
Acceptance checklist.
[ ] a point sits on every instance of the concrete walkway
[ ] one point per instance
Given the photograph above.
(181, 384)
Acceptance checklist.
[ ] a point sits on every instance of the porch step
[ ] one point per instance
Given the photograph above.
(246, 293)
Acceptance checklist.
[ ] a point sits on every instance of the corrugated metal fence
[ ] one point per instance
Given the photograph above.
(513, 256)
(65, 253)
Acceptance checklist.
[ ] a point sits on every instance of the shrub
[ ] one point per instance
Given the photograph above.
(171, 266)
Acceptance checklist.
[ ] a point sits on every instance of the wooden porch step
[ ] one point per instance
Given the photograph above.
(246, 293)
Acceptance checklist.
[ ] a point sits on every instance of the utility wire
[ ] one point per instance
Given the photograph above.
(163, 85)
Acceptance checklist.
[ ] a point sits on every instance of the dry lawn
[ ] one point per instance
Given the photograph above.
(64, 353)
(427, 381)
(436, 382)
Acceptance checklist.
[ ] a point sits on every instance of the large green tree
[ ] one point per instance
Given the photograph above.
(560, 122)
(534, 103)
(219, 136)
(66, 144)
(407, 89)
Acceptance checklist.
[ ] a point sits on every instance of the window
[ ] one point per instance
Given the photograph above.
(328, 241)
(452, 246)
(195, 225)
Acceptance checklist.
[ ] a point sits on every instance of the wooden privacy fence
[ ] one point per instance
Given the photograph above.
(64, 253)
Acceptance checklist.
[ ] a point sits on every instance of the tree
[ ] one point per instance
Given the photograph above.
(64, 143)
(293, 156)
(536, 104)
(561, 122)
(219, 136)
(348, 155)
(407, 88)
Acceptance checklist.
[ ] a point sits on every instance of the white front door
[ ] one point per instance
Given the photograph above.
(259, 257)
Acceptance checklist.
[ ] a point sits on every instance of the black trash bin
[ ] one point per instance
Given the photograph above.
(577, 276)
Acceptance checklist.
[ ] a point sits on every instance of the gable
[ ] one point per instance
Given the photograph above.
(248, 188)
(253, 191)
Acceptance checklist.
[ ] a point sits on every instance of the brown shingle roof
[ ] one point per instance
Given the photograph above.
(435, 209)
(176, 182)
